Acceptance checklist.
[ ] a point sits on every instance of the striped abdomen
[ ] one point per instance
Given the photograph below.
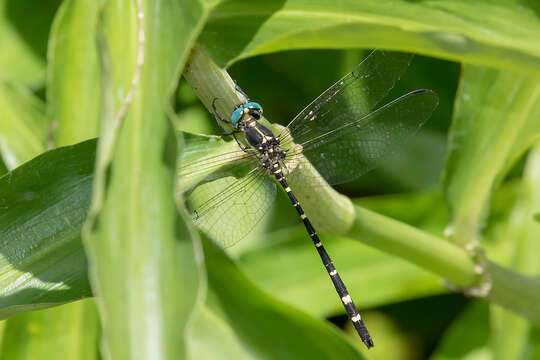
(327, 262)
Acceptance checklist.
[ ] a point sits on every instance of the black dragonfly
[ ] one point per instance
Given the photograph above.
(342, 134)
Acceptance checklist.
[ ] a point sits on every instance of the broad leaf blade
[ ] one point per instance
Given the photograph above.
(465, 31)
(43, 204)
(70, 331)
(372, 277)
(24, 26)
(468, 336)
(496, 119)
(23, 125)
(262, 327)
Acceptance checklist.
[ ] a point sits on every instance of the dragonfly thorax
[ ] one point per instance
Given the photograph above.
(264, 142)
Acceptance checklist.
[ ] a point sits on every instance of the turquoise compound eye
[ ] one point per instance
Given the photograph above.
(254, 105)
(236, 115)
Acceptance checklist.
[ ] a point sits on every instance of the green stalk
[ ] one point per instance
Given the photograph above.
(210, 82)
(414, 245)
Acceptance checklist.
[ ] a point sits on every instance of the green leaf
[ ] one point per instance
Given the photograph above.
(373, 278)
(211, 337)
(144, 259)
(480, 32)
(2, 328)
(3, 168)
(73, 79)
(468, 336)
(495, 121)
(535, 344)
(43, 204)
(69, 331)
(254, 325)
(425, 210)
(23, 125)
(24, 26)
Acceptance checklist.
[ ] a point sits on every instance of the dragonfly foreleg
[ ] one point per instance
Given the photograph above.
(217, 116)
(239, 90)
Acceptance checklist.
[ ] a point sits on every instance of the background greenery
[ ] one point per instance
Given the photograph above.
(443, 256)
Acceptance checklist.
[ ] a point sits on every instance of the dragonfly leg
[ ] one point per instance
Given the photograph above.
(244, 148)
(238, 89)
(217, 116)
(233, 133)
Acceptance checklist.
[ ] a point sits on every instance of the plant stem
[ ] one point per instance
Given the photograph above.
(210, 82)
(414, 245)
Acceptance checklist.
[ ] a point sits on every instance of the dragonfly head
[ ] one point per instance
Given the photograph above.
(245, 111)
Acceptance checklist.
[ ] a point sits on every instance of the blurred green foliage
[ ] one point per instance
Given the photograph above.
(470, 176)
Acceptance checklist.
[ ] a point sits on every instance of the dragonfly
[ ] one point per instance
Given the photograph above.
(342, 134)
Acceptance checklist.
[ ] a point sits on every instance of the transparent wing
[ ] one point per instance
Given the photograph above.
(192, 173)
(229, 207)
(205, 155)
(352, 97)
(358, 146)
